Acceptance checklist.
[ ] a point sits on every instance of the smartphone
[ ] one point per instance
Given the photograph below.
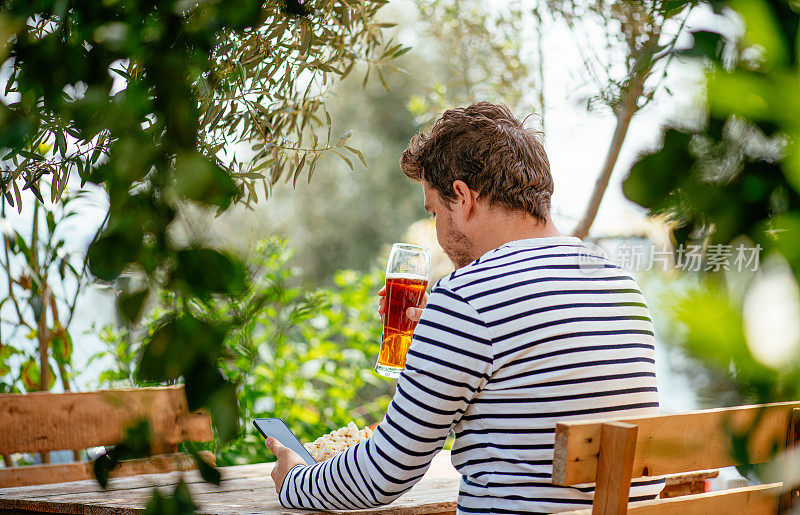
(278, 430)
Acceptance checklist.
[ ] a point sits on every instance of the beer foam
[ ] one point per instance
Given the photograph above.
(412, 277)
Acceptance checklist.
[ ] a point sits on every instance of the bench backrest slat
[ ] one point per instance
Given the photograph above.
(675, 443)
(40, 422)
(752, 500)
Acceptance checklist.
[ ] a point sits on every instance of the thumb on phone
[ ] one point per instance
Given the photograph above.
(287, 460)
(274, 445)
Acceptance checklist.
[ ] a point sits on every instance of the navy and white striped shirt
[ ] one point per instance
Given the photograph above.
(534, 332)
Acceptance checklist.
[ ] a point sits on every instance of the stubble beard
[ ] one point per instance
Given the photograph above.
(459, 248)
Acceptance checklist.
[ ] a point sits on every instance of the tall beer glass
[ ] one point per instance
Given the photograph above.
(407, 276)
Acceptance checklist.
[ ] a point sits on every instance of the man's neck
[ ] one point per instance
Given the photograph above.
(502, 229)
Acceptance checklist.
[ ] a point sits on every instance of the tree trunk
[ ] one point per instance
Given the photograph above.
(44, 343)
(540, 66)
(624, 116)
(43, 334)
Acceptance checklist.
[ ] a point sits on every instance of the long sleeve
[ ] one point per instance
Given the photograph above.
(450, 359)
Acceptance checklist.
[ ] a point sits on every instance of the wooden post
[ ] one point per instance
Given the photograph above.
(614, 468)
(791, 492)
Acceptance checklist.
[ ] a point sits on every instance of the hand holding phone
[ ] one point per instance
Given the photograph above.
(277, 429)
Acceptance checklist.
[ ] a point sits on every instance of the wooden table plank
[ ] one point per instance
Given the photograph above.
(245, 488)
(140, 481)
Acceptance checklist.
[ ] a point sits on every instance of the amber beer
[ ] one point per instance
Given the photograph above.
(406, 280)
(402, 292)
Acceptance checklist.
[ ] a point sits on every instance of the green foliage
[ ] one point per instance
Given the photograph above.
(208, 75)
(733, 178)
(306, 357)
(734, 175)
(344, 218)
(8, 382)
(202, 346)
(121, 351)
(714, 333)
(42, 282)
(144, 99)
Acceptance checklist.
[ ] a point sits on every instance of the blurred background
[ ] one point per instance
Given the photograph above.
(671, 130)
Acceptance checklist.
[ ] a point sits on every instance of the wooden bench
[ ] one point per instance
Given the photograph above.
(611, 452)
(43, 422)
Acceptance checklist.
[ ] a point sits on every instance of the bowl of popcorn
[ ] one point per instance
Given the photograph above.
(329, 445)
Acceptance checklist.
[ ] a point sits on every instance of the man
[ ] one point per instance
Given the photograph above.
(530, 329)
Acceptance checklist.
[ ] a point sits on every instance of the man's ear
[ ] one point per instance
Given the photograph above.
(466, 200)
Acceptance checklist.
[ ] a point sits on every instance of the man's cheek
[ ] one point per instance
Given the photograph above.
(440, 235)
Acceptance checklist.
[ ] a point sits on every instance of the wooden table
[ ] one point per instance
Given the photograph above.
(244, 489)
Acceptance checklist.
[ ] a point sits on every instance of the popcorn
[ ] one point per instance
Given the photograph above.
(329, 445)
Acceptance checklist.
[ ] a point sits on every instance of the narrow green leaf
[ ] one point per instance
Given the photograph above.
(18, 195)
(401, 52)
(31, 155)
(97, 152)
(23, 247)
(330, 125)
(122, 73)
(61, 143)
(102, 467)
(207, 471)
(35, 190)
(298, 170)
(358, 153)
(305, 37)
(312, 167)
(345, 159)
(51, 222)
(347, 70)
(382, 79)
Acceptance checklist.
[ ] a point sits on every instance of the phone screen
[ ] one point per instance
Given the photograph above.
(278, 430)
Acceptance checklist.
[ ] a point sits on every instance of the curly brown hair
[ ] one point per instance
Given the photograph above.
(489, 149)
